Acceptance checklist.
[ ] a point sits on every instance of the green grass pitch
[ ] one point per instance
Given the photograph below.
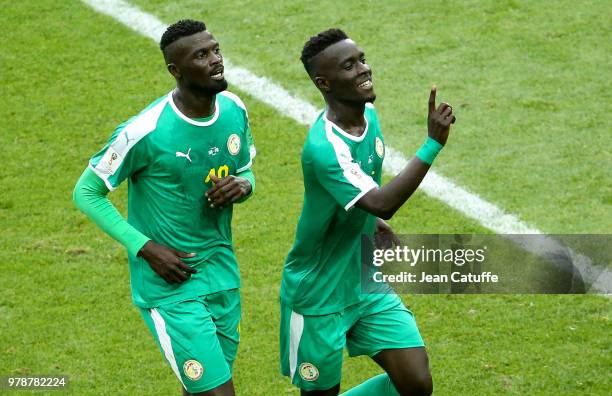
(530, 82)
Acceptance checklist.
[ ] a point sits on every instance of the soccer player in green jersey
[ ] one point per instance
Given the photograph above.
(323, 308)
(188, 159)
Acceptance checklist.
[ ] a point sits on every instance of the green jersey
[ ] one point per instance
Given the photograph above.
(168, 158)
(322, 271)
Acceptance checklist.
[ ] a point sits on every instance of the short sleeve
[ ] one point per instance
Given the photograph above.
(118, 159)
(124, 154)
(247, 149)
(243, 147)
(339, 174)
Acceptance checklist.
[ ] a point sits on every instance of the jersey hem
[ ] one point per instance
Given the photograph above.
(318, 311)
(185, 297)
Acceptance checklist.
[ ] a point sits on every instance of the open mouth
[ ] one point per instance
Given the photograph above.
(217, 75)
(367, 84)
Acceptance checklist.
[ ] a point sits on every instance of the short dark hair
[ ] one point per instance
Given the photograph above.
(318, 43)
(182, 28)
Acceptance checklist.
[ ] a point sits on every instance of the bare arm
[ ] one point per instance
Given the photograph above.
(231, 189)
(385, 201)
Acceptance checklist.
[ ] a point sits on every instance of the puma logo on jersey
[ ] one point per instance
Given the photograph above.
(179, 154)
(127, 138)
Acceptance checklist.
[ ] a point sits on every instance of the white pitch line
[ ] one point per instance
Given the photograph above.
(272, 94)
(434, 185)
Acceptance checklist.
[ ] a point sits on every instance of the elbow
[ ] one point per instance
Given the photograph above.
(377, 204)
(81, 196)
(76, 196)
(384, 210)
(385, 215)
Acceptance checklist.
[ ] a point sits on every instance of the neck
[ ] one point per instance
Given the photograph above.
(348, 116)
(194, 104)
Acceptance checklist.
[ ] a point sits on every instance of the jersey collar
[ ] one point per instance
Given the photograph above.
(348, 135)
(190, 120)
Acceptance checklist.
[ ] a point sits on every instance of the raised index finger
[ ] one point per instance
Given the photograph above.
(432, 99)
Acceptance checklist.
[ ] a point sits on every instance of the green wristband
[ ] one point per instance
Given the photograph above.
(429, 150)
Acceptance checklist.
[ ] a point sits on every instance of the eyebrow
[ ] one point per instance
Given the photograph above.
(205, 48)
(348, 58)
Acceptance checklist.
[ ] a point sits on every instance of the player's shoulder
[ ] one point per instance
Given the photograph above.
(316, 134)
(144, 122)
(231, 100)
(320, 142)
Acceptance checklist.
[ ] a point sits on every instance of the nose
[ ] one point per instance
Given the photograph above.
(363, 67)
(216, 58)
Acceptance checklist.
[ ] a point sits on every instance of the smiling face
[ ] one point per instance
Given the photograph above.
(340, 71)
(196, 63)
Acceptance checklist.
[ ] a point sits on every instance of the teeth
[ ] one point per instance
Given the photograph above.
(218, 75)
(366, 84)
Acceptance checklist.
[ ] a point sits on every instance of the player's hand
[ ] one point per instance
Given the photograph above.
(228, 190)
(166, 262)
(385, 238)
(440, 119)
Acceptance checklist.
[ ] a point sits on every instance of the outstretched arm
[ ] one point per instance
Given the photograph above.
(385, 201)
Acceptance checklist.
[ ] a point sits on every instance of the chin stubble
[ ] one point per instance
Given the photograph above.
(219, 86)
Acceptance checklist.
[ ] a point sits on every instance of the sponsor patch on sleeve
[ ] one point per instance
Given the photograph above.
(110, 162)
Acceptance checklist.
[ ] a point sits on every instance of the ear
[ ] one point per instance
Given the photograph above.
(322, 83)
(174, 70)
